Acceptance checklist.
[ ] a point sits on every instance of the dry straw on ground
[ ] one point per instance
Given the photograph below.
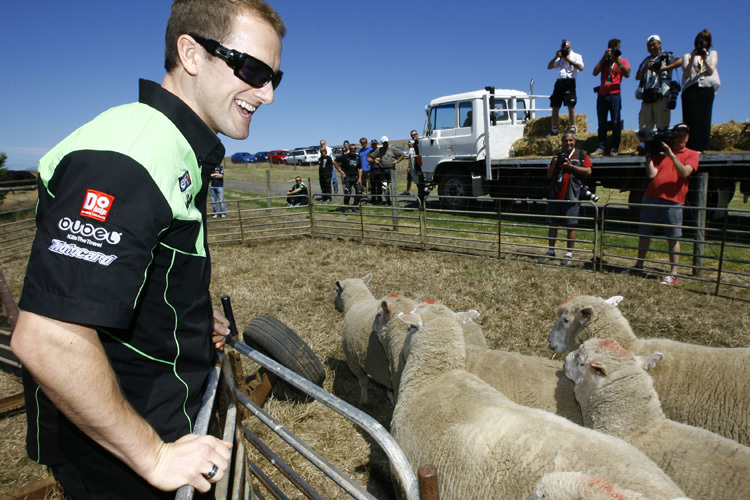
(293, 281)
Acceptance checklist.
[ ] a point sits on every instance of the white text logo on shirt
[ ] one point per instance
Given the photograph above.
(88, 233)
(71, 250)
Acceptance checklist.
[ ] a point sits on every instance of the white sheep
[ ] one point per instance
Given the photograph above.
(364, 353)
(697, 385)
(570, 485)
(617, 397)
(543, 385)
(484, 445)
(392, 332)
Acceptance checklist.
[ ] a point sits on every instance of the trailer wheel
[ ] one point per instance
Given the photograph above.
(455, 183)
(280, 343)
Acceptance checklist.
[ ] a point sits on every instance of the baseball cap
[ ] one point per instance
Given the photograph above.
(654, 37)
(384, 138)
(681, 126)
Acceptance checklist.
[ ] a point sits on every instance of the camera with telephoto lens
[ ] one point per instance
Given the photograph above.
(561, 158)
(674, 91)
(564, 51)
(586, 194)
(616, 53)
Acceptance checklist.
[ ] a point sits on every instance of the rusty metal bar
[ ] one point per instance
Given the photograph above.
(428, 483)
(9, 303)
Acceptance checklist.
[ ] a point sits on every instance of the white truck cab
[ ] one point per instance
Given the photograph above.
(465, 132)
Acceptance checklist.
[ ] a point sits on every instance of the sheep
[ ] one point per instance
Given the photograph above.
(364, 353)
(392, 332)
(543, 385)
(617, 397)
(486, 446)
(570, 485)
(697, 385)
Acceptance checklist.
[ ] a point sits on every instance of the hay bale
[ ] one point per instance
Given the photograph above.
(540, 127)
(727, 136)
(550, 145)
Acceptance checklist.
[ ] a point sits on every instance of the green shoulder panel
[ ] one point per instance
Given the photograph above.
(151, 139)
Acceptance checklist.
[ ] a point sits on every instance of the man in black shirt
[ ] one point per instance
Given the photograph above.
(116, 332)
(325, 171)
(350, 166)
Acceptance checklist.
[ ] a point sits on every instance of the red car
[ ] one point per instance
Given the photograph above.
(277, 155)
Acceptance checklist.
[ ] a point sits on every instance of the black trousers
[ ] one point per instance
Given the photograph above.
(325, 187)
(697, 105)
(99, 475)
(351, 186)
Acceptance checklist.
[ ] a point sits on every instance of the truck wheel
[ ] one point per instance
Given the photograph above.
(454, 184)
(280, 343)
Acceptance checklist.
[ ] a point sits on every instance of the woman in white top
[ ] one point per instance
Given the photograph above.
(700, 81)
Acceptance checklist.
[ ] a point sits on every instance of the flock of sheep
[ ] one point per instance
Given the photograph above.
(501, 425)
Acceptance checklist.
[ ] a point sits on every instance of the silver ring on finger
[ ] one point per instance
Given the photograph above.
(212, 472)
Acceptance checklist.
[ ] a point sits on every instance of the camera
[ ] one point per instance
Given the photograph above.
(616, 53)
(587, 195)
(659, 62)
(674, 91)
(564, 51)
(701, 46)
(652, 143)
(561, 158)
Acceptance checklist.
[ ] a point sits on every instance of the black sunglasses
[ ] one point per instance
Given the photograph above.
(247, 68)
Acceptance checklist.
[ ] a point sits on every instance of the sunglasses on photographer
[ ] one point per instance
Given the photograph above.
(247, 68)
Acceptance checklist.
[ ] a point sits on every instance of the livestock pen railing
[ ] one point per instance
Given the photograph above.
(224, 398)
(714, 253)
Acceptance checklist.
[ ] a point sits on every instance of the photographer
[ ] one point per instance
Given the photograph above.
(568, 64)
(670, 172)
(613, 68)
(567, 173)
(700, 81)
(656, 88)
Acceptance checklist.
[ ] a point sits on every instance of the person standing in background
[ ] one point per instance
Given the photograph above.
(613, 69)
(700, 82)
(217, 192)
(364, 151)
(568, 64)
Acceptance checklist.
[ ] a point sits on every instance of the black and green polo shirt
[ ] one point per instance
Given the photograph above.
(121, 246)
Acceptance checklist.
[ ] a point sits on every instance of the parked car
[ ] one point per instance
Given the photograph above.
(244, 158)
(302, 157)
(277, 155)
(262, 155)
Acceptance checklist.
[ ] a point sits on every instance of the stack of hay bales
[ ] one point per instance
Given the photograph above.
(536, 140)
(730, 136)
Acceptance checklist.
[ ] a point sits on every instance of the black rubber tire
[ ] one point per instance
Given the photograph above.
(455, 183)
(280, 343)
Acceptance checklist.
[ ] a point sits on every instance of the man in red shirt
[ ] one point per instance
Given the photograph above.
(613, 68)
(567, 174)
(670, 173)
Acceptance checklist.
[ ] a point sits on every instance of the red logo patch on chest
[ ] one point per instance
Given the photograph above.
(97, 205)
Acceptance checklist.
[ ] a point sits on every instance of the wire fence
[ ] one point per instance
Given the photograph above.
(714, 253)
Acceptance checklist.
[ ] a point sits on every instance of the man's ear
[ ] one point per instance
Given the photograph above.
(188, 52)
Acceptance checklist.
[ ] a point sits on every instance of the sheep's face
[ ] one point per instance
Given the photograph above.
(338, 301)
(574, 315)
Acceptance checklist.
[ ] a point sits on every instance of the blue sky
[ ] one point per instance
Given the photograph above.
(350, 68)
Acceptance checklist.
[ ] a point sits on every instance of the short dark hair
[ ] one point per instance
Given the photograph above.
(212, 19)
(614, 42)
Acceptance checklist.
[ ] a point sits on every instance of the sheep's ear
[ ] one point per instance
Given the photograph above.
(411, 319)
(367, 278)
(587, 314)
(614, 300)
(385, 307)
(648, 362)
(338, 285)
(599, 368)
(466, 316)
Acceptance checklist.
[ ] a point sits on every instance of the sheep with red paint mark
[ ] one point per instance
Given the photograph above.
(568, 485)
(543, 384)
(697, 385)
(486, 446)
(617, 397)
